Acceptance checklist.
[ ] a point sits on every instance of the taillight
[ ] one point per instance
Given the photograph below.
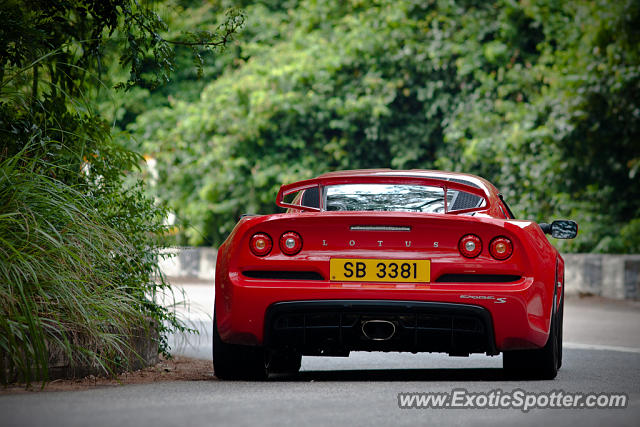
(260, 244)
(501, 248)
(290, 243)
(470, 246)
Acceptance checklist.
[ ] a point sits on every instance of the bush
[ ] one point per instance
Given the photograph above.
(78, 238)
(66, 272)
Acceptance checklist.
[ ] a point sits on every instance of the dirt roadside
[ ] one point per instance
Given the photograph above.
(176, 369)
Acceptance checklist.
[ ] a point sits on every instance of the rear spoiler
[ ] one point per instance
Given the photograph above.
(318, 183)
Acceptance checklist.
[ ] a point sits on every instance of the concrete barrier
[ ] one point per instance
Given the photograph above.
(610, 276)
(189, 262)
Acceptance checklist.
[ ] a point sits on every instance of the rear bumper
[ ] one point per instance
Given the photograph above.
(336, 327)
(519, 312)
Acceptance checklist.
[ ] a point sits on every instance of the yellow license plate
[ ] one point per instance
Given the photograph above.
(380, 270)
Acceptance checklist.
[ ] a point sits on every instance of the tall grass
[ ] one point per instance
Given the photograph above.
(61, 277)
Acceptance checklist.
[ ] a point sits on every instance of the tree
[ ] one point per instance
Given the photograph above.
(539, 97)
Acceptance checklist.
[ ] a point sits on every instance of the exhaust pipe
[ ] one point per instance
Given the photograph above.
(378, 330)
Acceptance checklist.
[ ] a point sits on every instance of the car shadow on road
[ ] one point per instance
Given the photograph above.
(404, 375)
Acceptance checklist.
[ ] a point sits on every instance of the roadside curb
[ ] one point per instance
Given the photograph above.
(143, 352)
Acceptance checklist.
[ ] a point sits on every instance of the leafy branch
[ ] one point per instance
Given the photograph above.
(143, 30)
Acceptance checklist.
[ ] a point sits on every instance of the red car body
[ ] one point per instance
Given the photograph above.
(465, 305)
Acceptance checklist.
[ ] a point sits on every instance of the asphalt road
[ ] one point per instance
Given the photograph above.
(602, 354)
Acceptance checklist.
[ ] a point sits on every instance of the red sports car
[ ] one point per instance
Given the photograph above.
(385, 260)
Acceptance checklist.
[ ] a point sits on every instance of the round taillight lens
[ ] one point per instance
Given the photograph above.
(470, 246)
(501, 248)
(260, 244)
(290, 243)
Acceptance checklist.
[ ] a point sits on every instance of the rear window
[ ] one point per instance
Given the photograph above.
(396, 197)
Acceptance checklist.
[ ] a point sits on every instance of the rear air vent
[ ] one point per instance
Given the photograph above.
(478, 278)
(282, 275)
(380, 228)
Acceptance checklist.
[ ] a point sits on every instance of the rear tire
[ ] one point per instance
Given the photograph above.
(285, 362)
(543, 363)
(559, 335)
(237, 362)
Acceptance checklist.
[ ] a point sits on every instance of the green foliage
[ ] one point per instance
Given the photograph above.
(70, 280)
(80, 239)
(540, 97)
(563, 123)
(190, 56)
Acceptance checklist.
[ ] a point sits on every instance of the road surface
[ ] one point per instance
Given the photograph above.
(602, 355)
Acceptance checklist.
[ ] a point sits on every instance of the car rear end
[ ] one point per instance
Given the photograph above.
(332, 282)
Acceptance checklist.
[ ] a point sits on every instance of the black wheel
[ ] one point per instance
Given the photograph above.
(237, 362)
(560, 322)
(284, 362)
(543, 363)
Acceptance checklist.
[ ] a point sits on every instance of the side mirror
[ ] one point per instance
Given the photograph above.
(561, 229)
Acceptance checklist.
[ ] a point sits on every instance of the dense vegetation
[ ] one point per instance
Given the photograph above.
(540, 97)
(78, 236)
